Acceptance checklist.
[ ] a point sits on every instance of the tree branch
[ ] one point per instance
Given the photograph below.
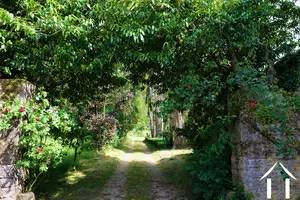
(232, 54)
(265, 134)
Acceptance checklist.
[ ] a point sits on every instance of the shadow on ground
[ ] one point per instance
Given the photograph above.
(84, 183)
(87, 182)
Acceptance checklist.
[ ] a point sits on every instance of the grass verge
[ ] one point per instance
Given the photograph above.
(84, 183)
(174, 169)
(93, 171)
(172, 164)
(137, 181)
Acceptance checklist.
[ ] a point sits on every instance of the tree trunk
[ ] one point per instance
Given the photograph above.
(151, 118)
(154, 119)
(178, 122)
(157, 122)
(75, 157)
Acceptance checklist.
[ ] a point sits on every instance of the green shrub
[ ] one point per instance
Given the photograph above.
(159, 143)
(114, 141)
(263, 115)
(294, 102)
(239, 193)
(287, 71)
(210, 169)
(167, 136)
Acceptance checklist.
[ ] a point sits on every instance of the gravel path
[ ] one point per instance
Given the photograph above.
(159, 187)
(115, 187)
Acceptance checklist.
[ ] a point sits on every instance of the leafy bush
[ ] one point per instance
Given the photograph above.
(239, 193)
(159, 143)
(40, 123)
(167, 136)
(210, 169)
(114, 141)
(103, 129)
(263, 115)
(294, 102)
(287, 71)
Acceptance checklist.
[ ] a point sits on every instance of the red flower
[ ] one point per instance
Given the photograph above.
(38, 150)
(7, 109)
(293, 172)
(251, 104)
(46, 125)
(55, 110)
(37, 119)
(189, 86)
(22, 108)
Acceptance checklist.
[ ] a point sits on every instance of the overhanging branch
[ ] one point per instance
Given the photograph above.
(265, 134)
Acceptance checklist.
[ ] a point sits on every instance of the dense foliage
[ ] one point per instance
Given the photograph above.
(287, 71)
(43, 129)
(214, 59)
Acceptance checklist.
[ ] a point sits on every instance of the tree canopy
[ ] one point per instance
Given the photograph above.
(210, 57)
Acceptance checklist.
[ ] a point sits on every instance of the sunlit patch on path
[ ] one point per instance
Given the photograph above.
(115, 187)
(160, 187)
(138, 156)
(156, 187)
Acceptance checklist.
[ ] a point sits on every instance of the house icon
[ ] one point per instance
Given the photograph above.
(269, 182)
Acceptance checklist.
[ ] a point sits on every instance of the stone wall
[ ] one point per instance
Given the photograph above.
(252, 157)
(11, 176)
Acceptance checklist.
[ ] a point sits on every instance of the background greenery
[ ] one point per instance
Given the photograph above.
(208, 58)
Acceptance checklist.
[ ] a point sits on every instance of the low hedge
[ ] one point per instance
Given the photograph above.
(159, 143)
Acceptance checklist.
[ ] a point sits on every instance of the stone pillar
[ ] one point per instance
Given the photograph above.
(12, 177)
(252, 156)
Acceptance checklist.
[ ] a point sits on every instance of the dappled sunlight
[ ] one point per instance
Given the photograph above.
(162, 154)
(95, 171)
(135, 156)
(115, 153)
(140, 156)
(90, 167)
(74, 177)
(136, 138)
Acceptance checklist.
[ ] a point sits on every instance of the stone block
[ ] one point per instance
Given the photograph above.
(9, 142)
(26, 196)
(6, 182)
(16, 88)
(253, 156)
(7, 194)
(7, 171)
